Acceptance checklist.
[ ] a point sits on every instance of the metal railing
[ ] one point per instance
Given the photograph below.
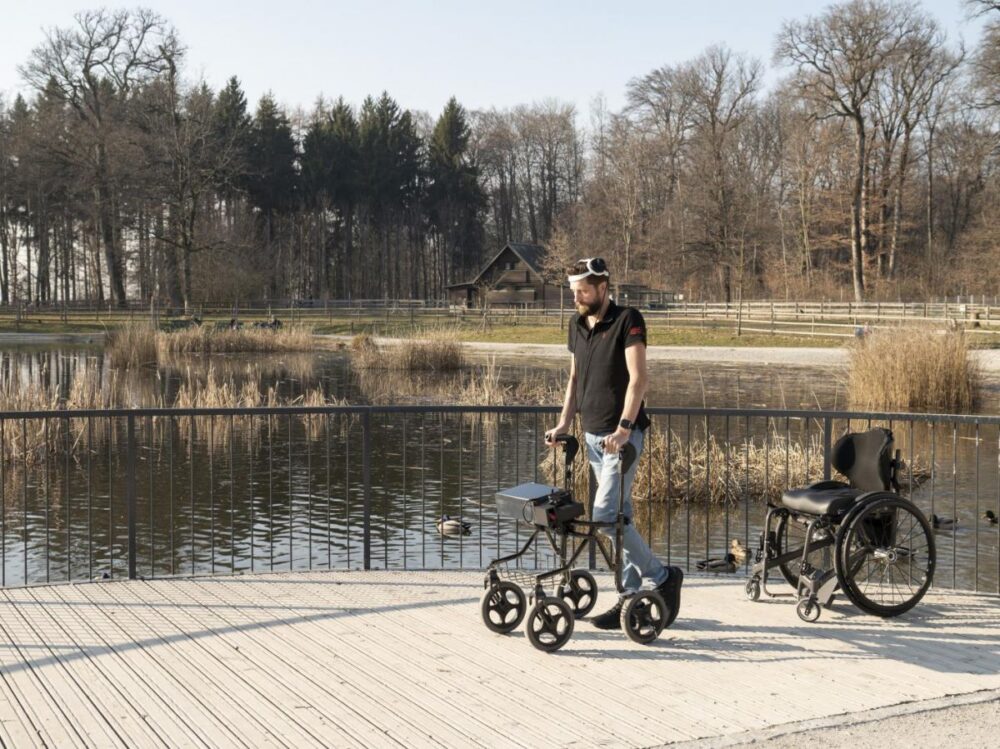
(162, 492)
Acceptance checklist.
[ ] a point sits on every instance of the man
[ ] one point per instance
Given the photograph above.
(607, 384)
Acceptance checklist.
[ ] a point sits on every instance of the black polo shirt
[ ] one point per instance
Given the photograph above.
(601, 373)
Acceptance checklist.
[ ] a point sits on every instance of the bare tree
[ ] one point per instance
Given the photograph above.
(839, 57)
(722, 86)
(660, 102)
(918, 75)
(95, 67)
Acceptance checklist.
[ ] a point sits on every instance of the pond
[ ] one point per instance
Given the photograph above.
(220, 494)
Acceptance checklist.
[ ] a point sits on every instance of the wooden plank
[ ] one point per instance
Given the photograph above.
(108, 673)
(418, 702)
(352, 658)
(316, 679)
(224, 701)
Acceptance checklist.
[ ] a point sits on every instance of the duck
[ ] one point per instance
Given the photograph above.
(724, 564)
(990, 517)
(738, 550)
(448, 526)
(940, 523)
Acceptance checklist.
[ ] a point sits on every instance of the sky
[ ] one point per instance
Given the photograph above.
(496, 54)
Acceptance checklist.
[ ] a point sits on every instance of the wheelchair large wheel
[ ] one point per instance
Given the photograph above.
(792, 535)
(885, 556)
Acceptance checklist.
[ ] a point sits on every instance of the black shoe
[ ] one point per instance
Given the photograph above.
(610, 619)
(670, 589)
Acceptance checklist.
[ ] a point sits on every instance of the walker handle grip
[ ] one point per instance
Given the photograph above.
(572, 446)
(626, 457)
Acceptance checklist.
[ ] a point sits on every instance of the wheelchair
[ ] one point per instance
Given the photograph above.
(556, 516)
(860, 538)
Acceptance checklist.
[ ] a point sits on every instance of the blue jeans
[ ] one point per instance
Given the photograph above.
(638, 560)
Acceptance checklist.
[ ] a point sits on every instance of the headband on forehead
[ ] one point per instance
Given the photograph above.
(595, 267)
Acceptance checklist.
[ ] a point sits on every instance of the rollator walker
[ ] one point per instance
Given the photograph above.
(557, 516)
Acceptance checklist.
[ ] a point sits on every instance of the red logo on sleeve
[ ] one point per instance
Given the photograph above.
(635, 331)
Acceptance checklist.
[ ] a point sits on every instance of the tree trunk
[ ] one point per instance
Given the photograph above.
(929, 255)
(858, 243)
(171, 272)
(4, 257)
(897, 203)
(105, 214)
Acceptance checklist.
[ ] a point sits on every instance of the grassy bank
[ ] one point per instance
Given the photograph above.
(659, 335)
(470, 329)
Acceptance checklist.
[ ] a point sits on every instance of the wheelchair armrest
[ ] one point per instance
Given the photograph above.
(820, 485)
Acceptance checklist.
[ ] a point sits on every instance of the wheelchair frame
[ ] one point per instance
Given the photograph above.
(816, 588)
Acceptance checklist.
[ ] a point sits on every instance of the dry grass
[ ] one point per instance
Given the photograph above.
(717, 473)
(28, 441)
(205, 340)
(133, 344)
(436, 351)
(913, 369)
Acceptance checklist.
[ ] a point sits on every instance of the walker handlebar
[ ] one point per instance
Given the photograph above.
(626, 457)
(572, 446)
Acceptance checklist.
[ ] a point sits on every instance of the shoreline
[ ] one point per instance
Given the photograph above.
(987, 359)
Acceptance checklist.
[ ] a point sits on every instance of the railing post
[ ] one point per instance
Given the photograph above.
(130, 494)
(366, 468)
(827, 448)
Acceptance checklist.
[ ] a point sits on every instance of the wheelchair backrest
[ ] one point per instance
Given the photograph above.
(865, 458)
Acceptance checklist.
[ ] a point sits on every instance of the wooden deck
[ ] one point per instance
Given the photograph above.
(402, 658)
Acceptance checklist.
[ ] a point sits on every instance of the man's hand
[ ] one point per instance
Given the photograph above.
(550, 436)
(615, 441)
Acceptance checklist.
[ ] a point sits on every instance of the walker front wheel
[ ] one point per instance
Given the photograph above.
(550, 624)
(502, 607)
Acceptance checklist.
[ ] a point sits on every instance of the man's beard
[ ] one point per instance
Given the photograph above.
(590, 309)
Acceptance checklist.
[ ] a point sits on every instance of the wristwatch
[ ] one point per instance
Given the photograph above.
(626, 424)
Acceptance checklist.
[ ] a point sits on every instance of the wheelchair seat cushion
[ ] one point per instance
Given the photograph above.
(827, 498)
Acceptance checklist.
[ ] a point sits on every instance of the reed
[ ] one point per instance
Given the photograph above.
(437, 351)
(205, 340)
(913, 369)
(132, 344)
(719, 473)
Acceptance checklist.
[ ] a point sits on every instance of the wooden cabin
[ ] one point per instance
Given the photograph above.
(513, 278)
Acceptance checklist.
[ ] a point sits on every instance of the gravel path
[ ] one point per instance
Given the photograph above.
(971, 720)
(989, 359)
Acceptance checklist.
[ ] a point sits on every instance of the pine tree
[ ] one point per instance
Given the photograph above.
(232, 130)
(454, 197)
(272, 180)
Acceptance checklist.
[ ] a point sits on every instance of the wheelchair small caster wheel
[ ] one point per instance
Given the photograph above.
(502, 607)
(550, 624)
(580, 593)
(644, 616)
(808, 609)
(752, 589)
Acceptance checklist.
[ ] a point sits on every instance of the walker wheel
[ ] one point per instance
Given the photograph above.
(503, 607)
(550, 624)
(644, 616)
(752, 588)
(580, 594)
(807, 609)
